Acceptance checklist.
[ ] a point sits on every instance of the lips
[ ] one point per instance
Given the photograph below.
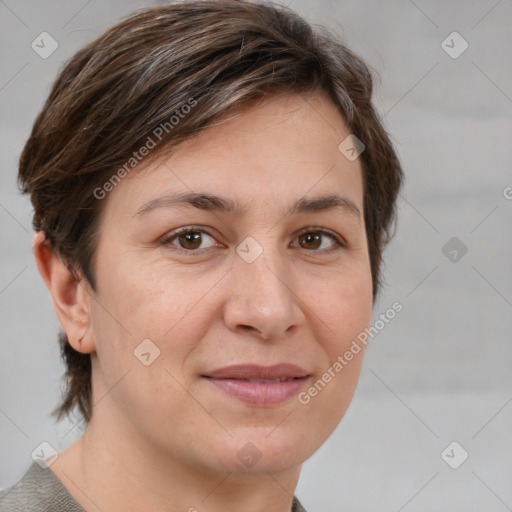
(259, 385)
(252, 371)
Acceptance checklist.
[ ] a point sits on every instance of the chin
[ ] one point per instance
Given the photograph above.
(261, 450)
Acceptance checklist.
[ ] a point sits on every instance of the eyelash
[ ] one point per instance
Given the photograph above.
(166, 240)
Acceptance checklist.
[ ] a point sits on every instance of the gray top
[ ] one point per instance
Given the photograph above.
(40, 490)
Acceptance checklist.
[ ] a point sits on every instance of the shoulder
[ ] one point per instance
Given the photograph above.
(39, 489)
(296, 507)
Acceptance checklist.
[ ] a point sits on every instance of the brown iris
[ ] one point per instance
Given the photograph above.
(310, 238)
(190, 240)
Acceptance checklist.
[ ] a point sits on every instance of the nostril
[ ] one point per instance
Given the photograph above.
(250, 328)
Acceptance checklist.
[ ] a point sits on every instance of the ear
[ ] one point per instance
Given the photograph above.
(71, 297)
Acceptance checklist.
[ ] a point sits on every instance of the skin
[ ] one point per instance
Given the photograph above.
(161, 436)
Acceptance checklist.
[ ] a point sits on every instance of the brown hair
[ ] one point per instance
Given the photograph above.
(131, 85)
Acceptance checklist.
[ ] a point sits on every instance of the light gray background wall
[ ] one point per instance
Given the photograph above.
(441, 370)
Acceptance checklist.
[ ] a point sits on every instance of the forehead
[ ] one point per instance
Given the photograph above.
(282, 128)
(279, 149)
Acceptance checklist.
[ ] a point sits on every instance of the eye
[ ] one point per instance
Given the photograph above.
(189, 239)
(313, 239)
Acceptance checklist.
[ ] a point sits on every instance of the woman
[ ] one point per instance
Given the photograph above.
(212, 193)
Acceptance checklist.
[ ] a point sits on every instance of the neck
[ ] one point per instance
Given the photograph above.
(111, 468)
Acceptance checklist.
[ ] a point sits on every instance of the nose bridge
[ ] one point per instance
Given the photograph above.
(267, 274)
(262, 294)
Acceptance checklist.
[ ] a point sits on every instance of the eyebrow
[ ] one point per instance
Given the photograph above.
(209, 202)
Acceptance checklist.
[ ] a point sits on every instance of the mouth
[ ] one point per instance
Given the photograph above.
(261, 386)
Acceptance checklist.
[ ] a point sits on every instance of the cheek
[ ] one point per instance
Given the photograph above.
(161, 305)
(135, 297)
(345, 313)
(131, 310)
(344, 309)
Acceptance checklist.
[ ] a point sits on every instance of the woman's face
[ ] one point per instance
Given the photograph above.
(195, 331)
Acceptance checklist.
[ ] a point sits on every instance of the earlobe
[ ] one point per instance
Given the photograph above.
(70, 298)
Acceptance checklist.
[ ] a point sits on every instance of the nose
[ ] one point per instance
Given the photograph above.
(263, 299)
